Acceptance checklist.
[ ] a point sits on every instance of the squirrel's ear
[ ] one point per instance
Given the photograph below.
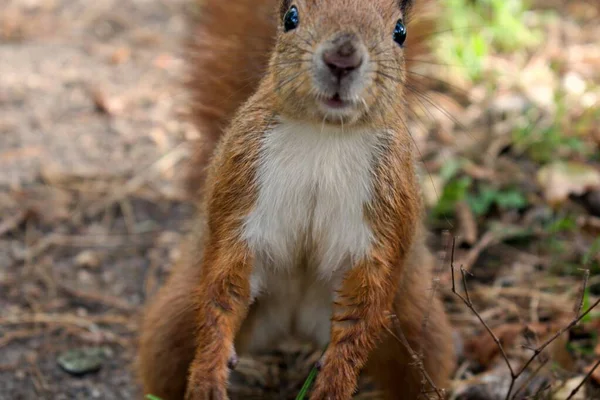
(285, 6)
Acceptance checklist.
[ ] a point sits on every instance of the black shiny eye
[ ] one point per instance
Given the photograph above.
(291, 19)
(400, 33)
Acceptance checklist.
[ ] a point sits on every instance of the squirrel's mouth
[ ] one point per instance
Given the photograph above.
(336, 102)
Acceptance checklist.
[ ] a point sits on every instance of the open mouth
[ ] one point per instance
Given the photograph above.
(336, 102)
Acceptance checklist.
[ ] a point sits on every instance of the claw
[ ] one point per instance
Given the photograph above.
(233, 360)
(320, 362)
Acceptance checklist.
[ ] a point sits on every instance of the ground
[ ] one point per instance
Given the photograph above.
(93, 142)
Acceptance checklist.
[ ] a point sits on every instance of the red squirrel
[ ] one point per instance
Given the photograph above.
(310, 209)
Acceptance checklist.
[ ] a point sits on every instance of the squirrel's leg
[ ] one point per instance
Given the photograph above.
(420, 317)
(169, 330)
(167, 334)
(361, 312)
(221, 299)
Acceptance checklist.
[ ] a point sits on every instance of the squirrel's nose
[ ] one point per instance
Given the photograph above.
(343, 57)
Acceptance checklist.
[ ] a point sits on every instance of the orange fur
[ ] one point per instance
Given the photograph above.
(204, 310)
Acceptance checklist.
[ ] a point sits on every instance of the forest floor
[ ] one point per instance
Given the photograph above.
(93, 143)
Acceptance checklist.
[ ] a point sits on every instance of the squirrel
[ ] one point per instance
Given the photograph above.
(310, 209)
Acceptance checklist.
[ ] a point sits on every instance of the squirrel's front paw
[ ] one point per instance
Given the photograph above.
(207, 384)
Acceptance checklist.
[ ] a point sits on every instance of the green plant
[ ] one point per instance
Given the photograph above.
(472, 28)
(487, 197)
(455, 190)
(561, 225)
(543, 145)
(592, 252)
(480, 198)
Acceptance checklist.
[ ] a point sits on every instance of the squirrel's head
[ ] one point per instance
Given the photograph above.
(340, 61)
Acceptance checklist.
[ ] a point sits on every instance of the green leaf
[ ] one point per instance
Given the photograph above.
(592, 252)
(565, 224)
(454, 192)
(511, 199)
(152, 397)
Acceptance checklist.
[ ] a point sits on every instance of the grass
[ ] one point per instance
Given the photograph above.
(562, 136)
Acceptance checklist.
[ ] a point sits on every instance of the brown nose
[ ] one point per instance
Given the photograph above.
(343, 57)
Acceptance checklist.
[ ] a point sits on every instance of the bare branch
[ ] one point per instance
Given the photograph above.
(466, 299)
(574, 392)
(418, 362)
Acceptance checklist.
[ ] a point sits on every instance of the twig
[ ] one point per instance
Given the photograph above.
(537, 351)
(584, 380)
(530, 378)
(102, 241)
(67, 319)
(17, 335)
(488, 239)
(467, 301)
(12, 222)
(135, 183)
(418, 360)
(579, 305)
(93, 297)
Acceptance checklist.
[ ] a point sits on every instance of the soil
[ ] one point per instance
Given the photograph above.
(92, 146)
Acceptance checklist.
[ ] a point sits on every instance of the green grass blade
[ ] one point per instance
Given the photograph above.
(307, 383)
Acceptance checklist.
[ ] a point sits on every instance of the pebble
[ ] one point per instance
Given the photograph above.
(82, 361)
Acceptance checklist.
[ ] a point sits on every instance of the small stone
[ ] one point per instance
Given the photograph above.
(88, 259)
(82, 361)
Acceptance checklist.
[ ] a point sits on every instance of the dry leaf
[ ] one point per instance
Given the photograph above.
(568, 387)
(484, 350)
(561, 179)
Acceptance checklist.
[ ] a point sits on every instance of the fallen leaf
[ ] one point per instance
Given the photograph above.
(565, 391)
(484, 349)
(561, 179)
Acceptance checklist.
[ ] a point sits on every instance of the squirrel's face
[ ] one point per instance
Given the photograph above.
(340, 61)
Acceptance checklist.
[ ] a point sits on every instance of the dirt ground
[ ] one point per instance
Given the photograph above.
(93, 142)
(90, 144)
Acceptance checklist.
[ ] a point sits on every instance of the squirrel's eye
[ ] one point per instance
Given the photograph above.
(400, 33)
(291, 19)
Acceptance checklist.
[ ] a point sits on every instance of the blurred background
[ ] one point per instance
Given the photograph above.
(93, 141)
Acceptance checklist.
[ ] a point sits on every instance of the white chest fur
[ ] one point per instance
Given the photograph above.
(313, 186)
